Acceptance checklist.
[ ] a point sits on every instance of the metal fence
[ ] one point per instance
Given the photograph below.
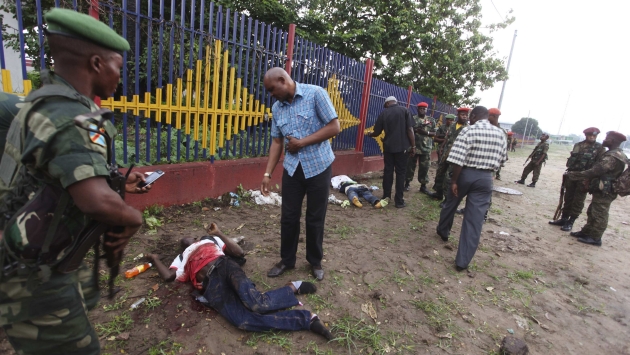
(192, 82)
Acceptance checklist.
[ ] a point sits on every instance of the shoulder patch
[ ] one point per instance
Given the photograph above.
(97, 138)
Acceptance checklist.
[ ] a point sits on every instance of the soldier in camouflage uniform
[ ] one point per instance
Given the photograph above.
(582, 158)
(440, 134)
(424, 128)
(9, 106)
(42, 310)
(601, 176)
(538, 157)
(442, 174)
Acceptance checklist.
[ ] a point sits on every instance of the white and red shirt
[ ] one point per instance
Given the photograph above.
(195, 257)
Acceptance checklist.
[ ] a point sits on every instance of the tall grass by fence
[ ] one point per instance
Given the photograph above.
(192, 83)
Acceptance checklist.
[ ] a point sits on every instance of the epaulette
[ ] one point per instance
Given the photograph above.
(57, 90)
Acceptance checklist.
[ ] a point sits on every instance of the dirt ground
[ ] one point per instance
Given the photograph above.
(390, 285)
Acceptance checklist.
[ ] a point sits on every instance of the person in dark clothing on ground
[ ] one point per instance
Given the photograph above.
(398, 144)
(210, 264)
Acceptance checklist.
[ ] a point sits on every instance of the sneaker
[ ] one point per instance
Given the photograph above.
(356, 202)
(378, 205)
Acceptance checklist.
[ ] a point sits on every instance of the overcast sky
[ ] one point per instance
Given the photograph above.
(577, 48)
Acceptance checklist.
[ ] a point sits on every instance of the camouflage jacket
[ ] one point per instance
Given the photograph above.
(540, 151)
(424, 144)
(9, 107)
(604, 172)
(584, 155)
(48, 150)
(452, 134)
(441, 132)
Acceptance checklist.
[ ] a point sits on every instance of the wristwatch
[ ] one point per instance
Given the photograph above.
(267, 175)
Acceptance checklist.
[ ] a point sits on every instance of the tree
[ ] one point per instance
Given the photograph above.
(435, 45)
(532, 127)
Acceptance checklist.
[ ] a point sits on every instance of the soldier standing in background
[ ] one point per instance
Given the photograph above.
(424, 128)
(514, 143)
(602, 175)
(43, 310)
(440, 134)
(583, 156)
(538, 157)
(493, 118)
(441, 181)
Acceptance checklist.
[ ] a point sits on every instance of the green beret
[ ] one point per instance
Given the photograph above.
(77, 25)
(450, 116)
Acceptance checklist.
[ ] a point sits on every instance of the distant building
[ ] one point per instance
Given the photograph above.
(506, 125)
(560, 139)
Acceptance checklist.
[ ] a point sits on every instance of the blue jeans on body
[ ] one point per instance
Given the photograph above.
(231, 293)
(361, 192)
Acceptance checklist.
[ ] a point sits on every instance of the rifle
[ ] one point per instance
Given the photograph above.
(90, 236)
(559, 208)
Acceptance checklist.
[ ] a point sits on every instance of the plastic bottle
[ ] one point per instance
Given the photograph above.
(137, 270)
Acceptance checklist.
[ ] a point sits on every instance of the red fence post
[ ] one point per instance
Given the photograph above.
(365, 101)
(94, 13)
(290, 43)
(409, 97)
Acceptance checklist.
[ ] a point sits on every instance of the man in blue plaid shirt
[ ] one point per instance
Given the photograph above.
(304, 120)
(479, 149)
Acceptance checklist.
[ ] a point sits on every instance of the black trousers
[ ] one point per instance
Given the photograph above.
(316, 190)
(397, 161)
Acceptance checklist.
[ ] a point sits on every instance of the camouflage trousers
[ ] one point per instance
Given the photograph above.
(423, 168)
(532, 167)
(597, 213)
(574, 197)
(50, 317)
(441, 177)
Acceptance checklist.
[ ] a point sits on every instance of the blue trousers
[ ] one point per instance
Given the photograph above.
(361, 192)
(476, 186)
(231, 293)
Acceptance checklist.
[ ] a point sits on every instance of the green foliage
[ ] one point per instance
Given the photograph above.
(35, 79)
(532, 127)
(166, 347)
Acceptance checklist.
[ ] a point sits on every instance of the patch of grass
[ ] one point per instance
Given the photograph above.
(117, 325)
(196, 204)
(197, 222)
(439, 312)
(400, 280)
(116, 305)
(166, 347)
(274, 338)
(152, 210)
(312, 347)
(356, 334)
(152, 303)
(374, 285)
(426, 280)
(495, 211)
(343, 231)
(317, 302)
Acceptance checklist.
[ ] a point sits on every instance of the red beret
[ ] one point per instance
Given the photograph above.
(591, 130)
(463, 109)
(423, 104)
(494, 111)
(510, 133)
(618, 136)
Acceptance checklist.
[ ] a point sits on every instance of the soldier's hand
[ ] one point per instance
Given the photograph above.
(131, 185)
(121, 239)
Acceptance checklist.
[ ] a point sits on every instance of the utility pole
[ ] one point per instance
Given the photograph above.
(508, 70)
(525, 130)
(564, 113)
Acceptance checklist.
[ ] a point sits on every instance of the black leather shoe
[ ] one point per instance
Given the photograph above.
(278, 270)
(318, 273)
(407, 188)
(591, 241)
(522, 182)
(435, 195)
(578, 234)
(423, 189)
(402, 205)
(459, 268)
(559, 222)
(445, 239)
(568, 225)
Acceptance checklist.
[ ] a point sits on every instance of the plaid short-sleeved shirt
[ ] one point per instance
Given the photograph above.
(310, 110)
(480, 146)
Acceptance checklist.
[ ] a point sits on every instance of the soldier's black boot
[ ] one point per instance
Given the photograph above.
(578, 234)
(522, 182)
(559, 222)
(423, 188)
(533, 184)
(569, 224)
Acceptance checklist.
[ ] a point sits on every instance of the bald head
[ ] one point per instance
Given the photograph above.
(279, 84)
(477, 114)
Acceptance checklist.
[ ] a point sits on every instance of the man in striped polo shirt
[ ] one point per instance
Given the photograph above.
(478, 150)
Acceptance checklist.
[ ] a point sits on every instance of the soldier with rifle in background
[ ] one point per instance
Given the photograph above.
(440, 134)
(45, 288)
(538, 157)
(573, 192)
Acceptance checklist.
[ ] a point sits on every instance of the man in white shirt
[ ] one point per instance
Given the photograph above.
(211, 265)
